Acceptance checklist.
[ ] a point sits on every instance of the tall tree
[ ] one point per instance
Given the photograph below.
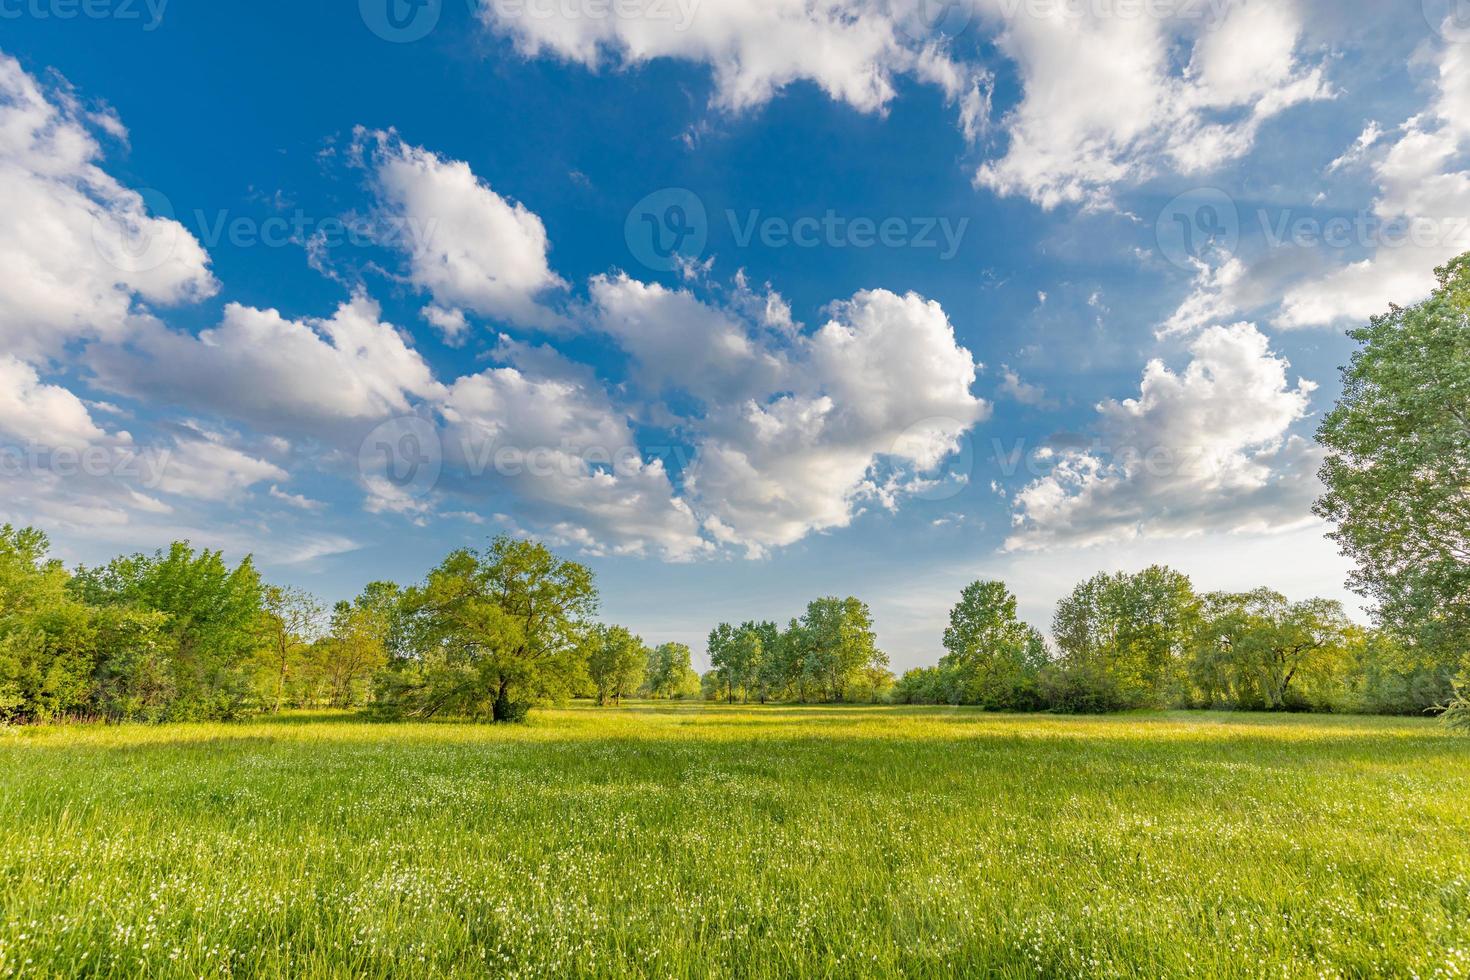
(1258, 650)
(1398, 466)
(46, 638)
(494, 632)
(671, 672)
(996, 659)
(1122, 638)
(839, 644)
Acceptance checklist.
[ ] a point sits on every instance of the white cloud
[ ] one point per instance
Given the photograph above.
(471, 248)
(679, 342)
(33, 412)
(260, 367)
(1024, 392)
(571, 460)
(851, 49)
(206, 468)
(1422, 211)
(78, 249)
(882, 384)
(1106, 99)
(1206, 449)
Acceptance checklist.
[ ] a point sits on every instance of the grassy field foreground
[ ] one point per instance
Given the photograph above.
(698, 840)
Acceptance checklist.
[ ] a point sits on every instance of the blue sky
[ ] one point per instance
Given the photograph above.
(1023, 289)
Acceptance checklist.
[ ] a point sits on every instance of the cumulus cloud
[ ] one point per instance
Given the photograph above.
(570, 458)
(1106, 99)
(260, 367)
(851, 49)
(1204, 449)
(79, 250)
(879, 396)
(469, 247)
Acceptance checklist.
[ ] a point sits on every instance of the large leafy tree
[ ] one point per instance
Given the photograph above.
(616, 661)
(670, 672)
(995, 658)
(840, 646)
(1122, 637)
(1260, 650)
(1398, 466)
(493, 632)
(211, 617)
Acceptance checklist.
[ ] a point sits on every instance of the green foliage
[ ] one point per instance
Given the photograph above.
(994, 659)
(492, 633)
(1121, 639)
(1398, 466)
(616, 662)
(47, 643)
(1257, 650)
(211, 618)
(670, 672)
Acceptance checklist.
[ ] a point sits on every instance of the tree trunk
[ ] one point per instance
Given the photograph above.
(500, 711)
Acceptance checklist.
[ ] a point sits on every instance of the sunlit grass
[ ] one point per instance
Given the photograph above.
(697, 840)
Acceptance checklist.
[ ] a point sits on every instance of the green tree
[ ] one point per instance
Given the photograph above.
(289, 621)
(616, 661)
(1398, 466)
(670, 672)
(1122, 638)
(212, 617)
(47, 642)
(355, 648)
(493, 632)
(995, 659)
(1259, 650)
(838, 644)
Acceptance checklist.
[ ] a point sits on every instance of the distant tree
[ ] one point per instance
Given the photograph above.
(926, 685)
(838, 644)
(670, 672)
(994, 658)
(1397, 471)
(711, 685)
(290, 619)
(355, 648)
(616, 660)
(493, 632)
(1122, 639)
(724, 658)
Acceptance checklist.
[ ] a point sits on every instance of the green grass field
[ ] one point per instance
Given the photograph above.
(700, 840)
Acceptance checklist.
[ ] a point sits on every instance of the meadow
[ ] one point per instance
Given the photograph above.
(696, 840)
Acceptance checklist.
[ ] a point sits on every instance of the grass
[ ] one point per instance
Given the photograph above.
(701, 840)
